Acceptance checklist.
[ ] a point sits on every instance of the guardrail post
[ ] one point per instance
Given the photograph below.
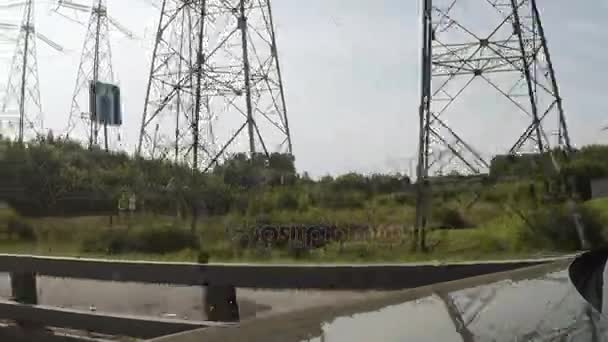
(24, 291)
(221, 304)
(23, 287)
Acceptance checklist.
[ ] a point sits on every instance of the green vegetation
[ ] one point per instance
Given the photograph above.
(65, 201)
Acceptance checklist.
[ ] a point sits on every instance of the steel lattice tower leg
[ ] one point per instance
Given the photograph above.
(95, 65)
(506, 51)
(22, 104)
(215, 84)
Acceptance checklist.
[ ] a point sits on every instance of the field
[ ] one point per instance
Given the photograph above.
(64, 200)
(501, 237)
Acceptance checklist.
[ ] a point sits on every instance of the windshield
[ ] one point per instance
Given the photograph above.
(171, 166)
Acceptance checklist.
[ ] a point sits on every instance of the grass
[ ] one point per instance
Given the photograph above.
(494, 235)
(452, 245)
(378, 253)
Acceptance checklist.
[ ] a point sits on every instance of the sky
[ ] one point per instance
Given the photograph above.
(351, 75)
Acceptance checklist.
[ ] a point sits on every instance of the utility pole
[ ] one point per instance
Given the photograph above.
(424, 112)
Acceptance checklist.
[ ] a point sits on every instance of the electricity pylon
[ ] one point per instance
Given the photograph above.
(215, 84)
(95, 65)
(503, 49)
(21, 117)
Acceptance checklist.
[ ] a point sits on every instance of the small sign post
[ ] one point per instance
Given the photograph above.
(132, 207)
(123, 204)
(132, 203)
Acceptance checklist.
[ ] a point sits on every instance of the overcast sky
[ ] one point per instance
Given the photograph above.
(351, 75)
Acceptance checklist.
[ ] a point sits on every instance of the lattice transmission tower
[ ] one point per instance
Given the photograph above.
(506, 51)
(21, 116)
(215, 84)
(95, 65)
(488, 56)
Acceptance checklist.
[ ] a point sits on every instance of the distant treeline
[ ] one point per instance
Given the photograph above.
(57, 177)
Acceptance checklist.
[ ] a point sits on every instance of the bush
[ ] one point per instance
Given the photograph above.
(554, 228)
(342, 200)
(352, 250)
(6, 214)
(14, 226)
(405, 198)
(287, 200)
(163, 239)
(261, 203)
(23, 231)
(155, 240)
(297, 250)
(449, 218)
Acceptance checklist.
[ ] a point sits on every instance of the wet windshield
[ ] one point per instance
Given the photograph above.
(172, 166)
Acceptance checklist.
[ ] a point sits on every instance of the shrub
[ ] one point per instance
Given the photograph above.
(405, 198)
(240, 203)
(554, 228)
(163, 239)
(384, 200)
(261, 203)
(490, 243)
(353, 250)
(451, 218)
(304, 201)
(14, 226)
(342, 200)
(286, 200)
(19, 228)
(352, 182)
(6, 214)
(297, 250)
(155, 239)
(107, 241)
(217, 198)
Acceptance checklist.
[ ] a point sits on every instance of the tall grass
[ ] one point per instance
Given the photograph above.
(488, 232)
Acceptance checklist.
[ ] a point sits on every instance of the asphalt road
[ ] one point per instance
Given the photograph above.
(181, 302)
(537, 303)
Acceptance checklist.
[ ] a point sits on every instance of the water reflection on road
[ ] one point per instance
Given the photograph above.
(543, 309)
(182, 302)
(546, 308)
(132, 298)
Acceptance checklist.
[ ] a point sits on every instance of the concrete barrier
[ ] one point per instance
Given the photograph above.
(334, 277)
(223, 279)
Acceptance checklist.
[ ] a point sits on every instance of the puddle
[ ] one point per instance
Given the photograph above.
(540, 309)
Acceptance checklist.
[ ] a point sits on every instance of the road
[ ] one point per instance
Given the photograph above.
(536, 303)
(186, 302)
(181, 302)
